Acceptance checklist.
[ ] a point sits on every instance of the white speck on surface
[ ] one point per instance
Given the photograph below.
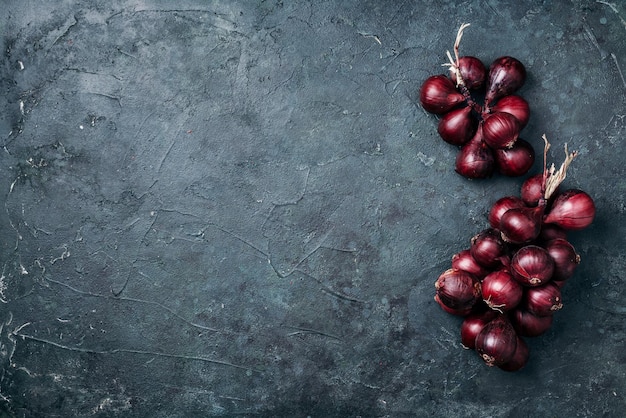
(424, 159)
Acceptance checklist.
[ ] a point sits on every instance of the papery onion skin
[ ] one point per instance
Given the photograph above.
(457, 126)
(438, 95)
(506, 75)
(519, 359)
(472, 325)
(543, 300)
(516, 160)
(528, 325)
(500, 207)
(487, 247)
(532, 266)
(516, 106)
(475, 159)
(501, 292)
(521, 225)
(463, 260)
(496, 342)
(573, 210)
(500, 130)
(457, 312)
(473, 72)
(458, 289)
(565, 258)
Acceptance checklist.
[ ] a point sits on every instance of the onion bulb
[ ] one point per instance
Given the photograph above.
(532, 266)
(458, 289)
(438, 95)
(501, 292)
(473, 72)
(573, 209)
(520, 357)
(457, 126)
(475, 159)
(516, 106)
(516, 160)
(543, 300)
(500, 130)
(506, 75)
(496, 342)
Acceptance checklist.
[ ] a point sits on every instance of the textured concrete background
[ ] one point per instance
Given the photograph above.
(236, 208)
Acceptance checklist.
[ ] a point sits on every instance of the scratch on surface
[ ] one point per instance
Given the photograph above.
(300, 330)
(619, 70)
(594, 41)
(16, 333)
(127, 299)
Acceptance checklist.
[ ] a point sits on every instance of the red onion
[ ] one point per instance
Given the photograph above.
(496, 342)
(463, 260)
(565, 258)
(550, 232)
(519, 359)
(543, 300)
(500, 207)
(521, 225)
(472, 325)
(473, 72)
(458, 289)
(506, 75)
(457, 126)
(528, 325)
(517, 160)
(487, 247)
(532, 266)
(501, 292)
(475, 160)
(457, 312)
(573, 209)
(533, 190)
(438, 95)
(500, 130)
(516, 106)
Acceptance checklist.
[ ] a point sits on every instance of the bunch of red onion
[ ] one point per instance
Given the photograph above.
(507, 284)
(488, 135)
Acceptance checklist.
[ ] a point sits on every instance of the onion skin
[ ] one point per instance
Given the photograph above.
(463, 260)
(532, 190)
(543, 300)
(457, 126)
(506, 75)
(573, 210)
(500, 130)
(532, 266)
(517, 160)
(475, 160)
(471, 327)
(516, 106)
(457, 312)
(487, 248)
(520, 357)
(565, 258)
(496, 342)
(438, 95)
(473, 72)
(501, 292)
(500, 207)
(528, 325)
(458, 289)
(550, 232)
(521, 225)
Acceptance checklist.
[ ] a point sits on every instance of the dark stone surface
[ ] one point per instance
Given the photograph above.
(236, 208)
